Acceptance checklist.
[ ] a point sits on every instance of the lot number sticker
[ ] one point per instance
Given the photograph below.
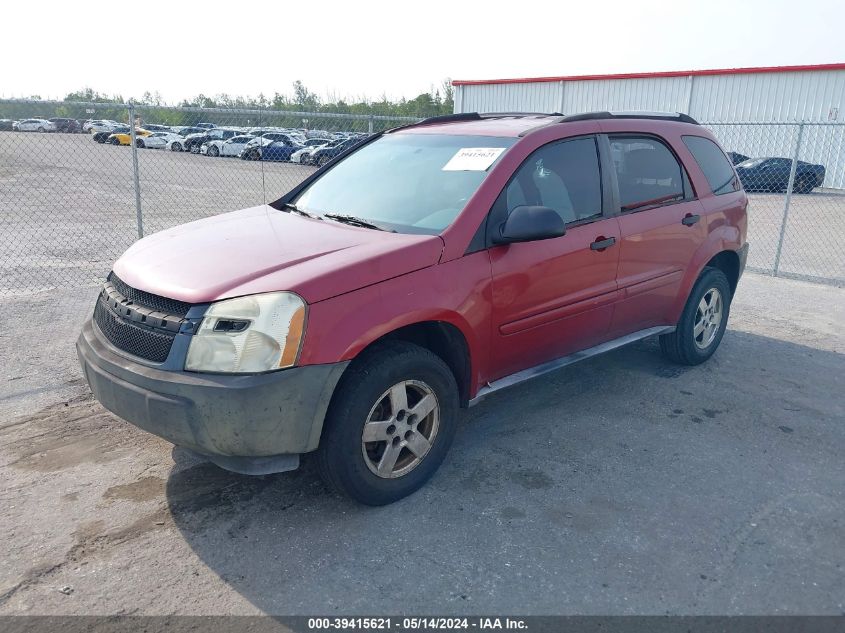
(473, 159)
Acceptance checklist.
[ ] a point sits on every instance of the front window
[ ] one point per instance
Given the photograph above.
(410, 183)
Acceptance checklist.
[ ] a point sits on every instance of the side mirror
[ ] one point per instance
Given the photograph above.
(528, 223)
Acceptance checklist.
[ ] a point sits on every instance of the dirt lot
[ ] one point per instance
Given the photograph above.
(67, 209)
(621, 485)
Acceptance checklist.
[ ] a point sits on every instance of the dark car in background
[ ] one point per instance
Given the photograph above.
(737, 158)
(103, 137)
(323, 155)
(772, 174)
(7, 125)
(68, 126)
(277, 150)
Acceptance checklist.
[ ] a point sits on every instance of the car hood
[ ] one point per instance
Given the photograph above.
(262, 249)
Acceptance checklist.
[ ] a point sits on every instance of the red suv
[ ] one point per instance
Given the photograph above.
(416, 273)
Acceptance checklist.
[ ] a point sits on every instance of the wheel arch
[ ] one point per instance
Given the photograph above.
(442, 338)
(720, 250)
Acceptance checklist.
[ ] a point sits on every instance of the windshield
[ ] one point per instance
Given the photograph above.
(402, 181)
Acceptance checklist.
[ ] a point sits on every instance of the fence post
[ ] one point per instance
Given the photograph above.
(139, 218)
(371, 126)
(788, 199)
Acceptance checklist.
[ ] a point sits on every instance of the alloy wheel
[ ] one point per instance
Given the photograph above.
(400, 429)
(708, 318)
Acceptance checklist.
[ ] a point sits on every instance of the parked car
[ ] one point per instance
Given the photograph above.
(772, 174)
(322, 155)
(125, 138)
(205, 126)
(280, 150)
(193, 142)
(268, 137)
(159, 140)
(101, 125)
(424, 270)
(303, 156)
(36, 125)
(103, 137)
(185, 130)
(7, 125)
(230, 147)
(69, 126)
(154, 127)
(737, 158)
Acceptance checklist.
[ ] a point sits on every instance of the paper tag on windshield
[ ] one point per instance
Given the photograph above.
(473, 159)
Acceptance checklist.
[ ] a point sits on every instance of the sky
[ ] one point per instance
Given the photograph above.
(360, 48)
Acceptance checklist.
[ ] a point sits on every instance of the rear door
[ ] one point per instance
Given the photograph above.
(554, 297)
(660, 221)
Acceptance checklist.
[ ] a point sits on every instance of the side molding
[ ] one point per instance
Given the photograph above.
(558, 363)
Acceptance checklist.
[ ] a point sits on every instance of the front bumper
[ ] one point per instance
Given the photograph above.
(253, 424)
(743, 258)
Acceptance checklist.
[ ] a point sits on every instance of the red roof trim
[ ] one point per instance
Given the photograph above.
(669, 73)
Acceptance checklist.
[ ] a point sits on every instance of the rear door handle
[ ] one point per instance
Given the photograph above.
(690, 219)
(602, 243)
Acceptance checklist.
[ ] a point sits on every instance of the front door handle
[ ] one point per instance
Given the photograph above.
(602, 243)
(690, 219)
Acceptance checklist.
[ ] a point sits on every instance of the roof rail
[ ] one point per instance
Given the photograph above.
(476, 116)
(447, 118)
(492, 115)
(658, 116)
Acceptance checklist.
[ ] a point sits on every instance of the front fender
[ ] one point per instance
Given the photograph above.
(723, 238)
(456, 293)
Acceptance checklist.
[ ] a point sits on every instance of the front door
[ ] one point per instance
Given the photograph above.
(554, 297)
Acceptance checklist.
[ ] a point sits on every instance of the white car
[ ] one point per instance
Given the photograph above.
(230, 147)
(102, 125)
(269, 137)
(301, 155)
(160, 140)
(36, 125)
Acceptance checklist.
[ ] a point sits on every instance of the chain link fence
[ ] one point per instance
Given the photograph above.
(79, 184)
(794, 174)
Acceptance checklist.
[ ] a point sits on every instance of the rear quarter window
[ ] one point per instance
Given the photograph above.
(714, 164)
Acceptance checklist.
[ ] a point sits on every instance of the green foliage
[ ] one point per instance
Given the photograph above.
(432, 103)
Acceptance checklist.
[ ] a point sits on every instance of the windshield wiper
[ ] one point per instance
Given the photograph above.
(354, 221)
(296, 209)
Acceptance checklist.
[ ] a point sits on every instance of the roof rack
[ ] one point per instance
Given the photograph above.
(658, 116)
(476, 116)
(447, 118)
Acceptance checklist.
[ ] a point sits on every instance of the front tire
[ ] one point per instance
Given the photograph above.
(176, 147)
(390, 423)
(213, 151)
(703, 321)
(139, 143)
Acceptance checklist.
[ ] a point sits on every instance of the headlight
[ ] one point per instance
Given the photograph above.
(249, 335)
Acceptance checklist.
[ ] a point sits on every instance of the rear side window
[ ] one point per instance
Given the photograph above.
(563, 176)
(713, 162)
(648, 173)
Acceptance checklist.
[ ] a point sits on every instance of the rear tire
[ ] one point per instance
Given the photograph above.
(377, 397)
(703, 321)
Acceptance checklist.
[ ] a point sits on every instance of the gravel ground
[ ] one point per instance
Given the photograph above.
(622, 485)
(67, 209)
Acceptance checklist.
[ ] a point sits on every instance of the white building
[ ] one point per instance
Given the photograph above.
(732, 102)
